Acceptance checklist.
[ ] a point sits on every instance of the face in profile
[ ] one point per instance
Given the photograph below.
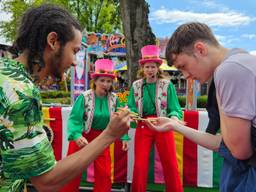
(65, 57)
(103, 85)
(150, 69)
(193, 66)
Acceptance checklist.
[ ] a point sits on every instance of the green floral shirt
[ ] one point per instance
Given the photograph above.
(24, 148)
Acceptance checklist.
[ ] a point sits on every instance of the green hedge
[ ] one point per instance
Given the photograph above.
(182, 101)
(201, 101)
(54, 94)
(63, 97)
(63, 100)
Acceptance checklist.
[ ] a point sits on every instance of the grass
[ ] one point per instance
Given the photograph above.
(160, 188)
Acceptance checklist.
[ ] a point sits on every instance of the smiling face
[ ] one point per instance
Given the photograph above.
(103, 85)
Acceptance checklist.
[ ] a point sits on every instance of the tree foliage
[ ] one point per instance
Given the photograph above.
(94, 15)
(98, 15)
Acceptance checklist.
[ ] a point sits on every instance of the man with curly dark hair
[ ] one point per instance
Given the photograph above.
(47, 42)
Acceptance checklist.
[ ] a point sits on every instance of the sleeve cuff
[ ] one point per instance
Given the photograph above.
(125, 137)
(174, 113)
(74, 137)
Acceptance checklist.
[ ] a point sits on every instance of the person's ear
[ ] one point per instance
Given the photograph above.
(200, 48)
(52, 40)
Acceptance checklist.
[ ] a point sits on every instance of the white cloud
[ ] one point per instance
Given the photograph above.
(220, 37)
(223, 19)
(210, 4)
(253, 52)
(227, 41)
(249, 36)
(213, 5)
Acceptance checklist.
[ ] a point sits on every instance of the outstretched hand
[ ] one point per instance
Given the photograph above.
(162, 124)
(119, 123)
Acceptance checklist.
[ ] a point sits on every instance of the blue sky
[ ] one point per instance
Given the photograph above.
(232, 21)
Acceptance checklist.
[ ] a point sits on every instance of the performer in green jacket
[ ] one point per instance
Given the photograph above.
(90, 115)
(153, 96)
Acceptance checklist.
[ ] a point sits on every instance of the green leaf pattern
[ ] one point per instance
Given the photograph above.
(20, 121)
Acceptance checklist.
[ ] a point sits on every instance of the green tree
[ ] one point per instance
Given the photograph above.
(98, 15)
(94, 15)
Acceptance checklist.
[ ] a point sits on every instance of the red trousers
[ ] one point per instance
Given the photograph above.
(144, 139)
(102, 168)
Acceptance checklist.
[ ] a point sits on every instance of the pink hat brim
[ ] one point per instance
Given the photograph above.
(142, 61)
(94, 75)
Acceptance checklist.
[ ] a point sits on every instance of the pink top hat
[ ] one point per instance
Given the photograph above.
(150, 53)
(103, 68)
